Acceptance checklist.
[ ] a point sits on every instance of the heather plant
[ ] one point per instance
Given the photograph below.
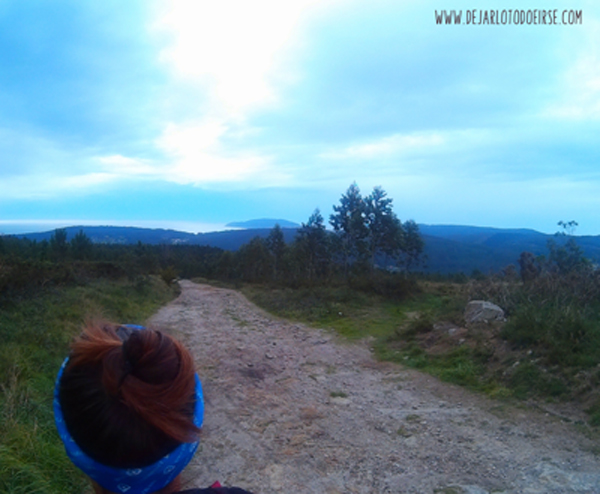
(559, 303)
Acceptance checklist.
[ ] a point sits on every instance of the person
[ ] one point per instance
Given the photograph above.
(129, 407)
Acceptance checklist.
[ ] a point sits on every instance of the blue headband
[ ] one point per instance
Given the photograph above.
(132, 480)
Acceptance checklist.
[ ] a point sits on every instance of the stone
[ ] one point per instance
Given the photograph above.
(482, 311)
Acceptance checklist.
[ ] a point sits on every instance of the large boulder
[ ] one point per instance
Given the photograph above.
(482, 311)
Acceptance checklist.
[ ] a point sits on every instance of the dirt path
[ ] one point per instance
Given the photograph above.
(291, 409)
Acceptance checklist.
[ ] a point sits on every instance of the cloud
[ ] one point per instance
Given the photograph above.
(79, 72)
(234, 48)
(233, 59)
(48, 185)
(119, 165)
(198, 155)
(389, 145)
(224, 99)
(580, 99)
(576, 95)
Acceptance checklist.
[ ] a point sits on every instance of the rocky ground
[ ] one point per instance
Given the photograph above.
(292, 409)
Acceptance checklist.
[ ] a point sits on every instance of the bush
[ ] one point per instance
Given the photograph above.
(528, 379)
(395, 287)
(169, 274)
(564, 335)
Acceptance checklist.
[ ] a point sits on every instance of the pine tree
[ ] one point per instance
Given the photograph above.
(412, 245)
(312, 247)
(255, 261)
(349, 223)
(58, 244)
(386, 233)
(276, 245)
(81, 246)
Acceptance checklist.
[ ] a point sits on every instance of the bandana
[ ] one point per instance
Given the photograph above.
(132, 480)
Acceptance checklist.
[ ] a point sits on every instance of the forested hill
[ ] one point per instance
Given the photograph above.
(465, 248)
(449, 249)
(227, 240)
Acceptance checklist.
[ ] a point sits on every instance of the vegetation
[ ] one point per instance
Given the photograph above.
(355, 279)
(35, 334)
(367, 236)
(549, 347)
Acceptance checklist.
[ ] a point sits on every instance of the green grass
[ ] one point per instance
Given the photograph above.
(566, 334)
(594, 413)
(352, 313)
(338, 394)
(355, 315)
(569, 339)
(528, 377)
(35, 334)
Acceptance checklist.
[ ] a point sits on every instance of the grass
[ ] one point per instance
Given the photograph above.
(338, 394)
(567, 334)
(403, 432)
(35, 334)
(357, 315)
(543, 351)
(352, 313)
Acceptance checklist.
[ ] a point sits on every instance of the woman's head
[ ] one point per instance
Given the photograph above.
(129, 396)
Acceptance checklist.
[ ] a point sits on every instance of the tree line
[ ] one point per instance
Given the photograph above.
(365, 237)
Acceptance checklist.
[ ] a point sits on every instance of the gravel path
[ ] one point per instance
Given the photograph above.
(292, 409)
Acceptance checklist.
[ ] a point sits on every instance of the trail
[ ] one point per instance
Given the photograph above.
(292, 409)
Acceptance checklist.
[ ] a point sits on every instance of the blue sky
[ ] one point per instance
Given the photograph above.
(191, 114)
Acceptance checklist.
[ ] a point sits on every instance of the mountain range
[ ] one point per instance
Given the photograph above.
(448, 248)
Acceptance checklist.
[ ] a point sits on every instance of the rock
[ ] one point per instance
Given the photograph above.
(482, 311)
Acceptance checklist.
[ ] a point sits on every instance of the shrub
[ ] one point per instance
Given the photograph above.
(528, 379)
(565, 335)
(392, 286)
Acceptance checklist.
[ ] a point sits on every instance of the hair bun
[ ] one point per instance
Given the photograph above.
(133, 349)
(151, 357)
(128, 395)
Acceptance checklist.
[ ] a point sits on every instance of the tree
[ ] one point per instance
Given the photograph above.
(312, 247)
(81, 246)
(568, 257)
(349, 223)
(255, 261)
(276, 245)
(367, 228)
(412, 245)
(385, 231)
(529, 267)
(58, 244)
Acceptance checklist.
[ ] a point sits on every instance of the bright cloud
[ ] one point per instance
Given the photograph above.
(234, 53)
(233, 47)
(194, 154)
(199, 157)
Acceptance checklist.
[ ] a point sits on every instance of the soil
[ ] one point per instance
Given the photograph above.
(294, 409)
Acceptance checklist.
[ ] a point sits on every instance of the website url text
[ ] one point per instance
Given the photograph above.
(509, 17)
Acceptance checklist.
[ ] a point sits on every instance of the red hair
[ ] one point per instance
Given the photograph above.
(128, 396)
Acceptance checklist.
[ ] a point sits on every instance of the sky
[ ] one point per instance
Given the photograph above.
(190, 114)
